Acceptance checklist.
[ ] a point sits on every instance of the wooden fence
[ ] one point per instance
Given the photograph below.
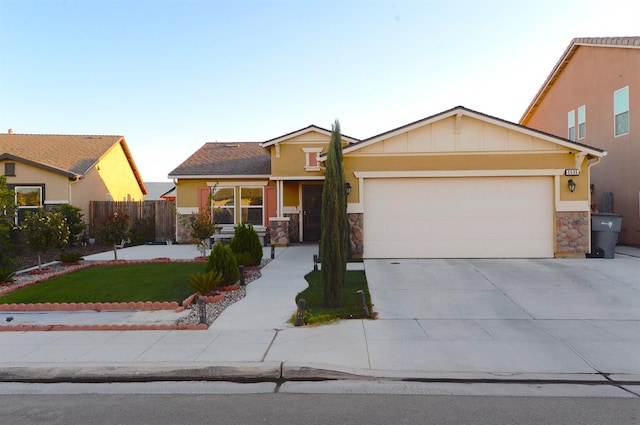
(150, 221)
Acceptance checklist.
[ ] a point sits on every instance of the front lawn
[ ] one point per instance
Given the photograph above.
(114, 283)
(350, 308)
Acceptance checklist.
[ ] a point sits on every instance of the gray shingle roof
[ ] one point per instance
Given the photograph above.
(226, 159)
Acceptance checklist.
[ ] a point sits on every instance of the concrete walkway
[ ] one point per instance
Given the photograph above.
(492, 339)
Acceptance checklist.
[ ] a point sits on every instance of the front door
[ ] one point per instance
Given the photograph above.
(311, 206)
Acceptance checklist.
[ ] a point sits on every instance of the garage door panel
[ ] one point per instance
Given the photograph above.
(484, 217)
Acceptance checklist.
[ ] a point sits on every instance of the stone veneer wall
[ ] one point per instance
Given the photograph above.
(572, 234)
(294, 227)
(356, 224)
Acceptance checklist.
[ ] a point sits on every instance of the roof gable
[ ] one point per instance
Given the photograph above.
(305, 132)
(473, 132)
(75, 155)
(226, 159)
(576, 43)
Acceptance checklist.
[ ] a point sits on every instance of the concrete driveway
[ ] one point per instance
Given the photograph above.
(586, 309)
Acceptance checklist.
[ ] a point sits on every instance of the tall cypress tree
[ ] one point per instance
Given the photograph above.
(333, 252)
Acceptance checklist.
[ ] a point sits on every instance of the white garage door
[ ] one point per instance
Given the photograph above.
(466, 217)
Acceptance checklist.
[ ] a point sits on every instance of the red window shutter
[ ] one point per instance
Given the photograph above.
(203, 197)
(270, 207)
(313, 159)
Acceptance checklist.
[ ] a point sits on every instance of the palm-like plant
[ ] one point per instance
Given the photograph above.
(204, 283)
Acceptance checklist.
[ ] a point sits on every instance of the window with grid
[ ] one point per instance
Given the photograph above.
(582, 122)
(571, 125)
(621, 111)
(224, 205)
(252, 205)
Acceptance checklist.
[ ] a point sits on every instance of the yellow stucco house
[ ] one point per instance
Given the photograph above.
(458, 184)
(46, 170)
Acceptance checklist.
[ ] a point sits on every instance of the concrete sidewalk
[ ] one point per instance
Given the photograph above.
(252, 341)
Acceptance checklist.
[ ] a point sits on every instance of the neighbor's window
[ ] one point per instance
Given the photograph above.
(571, 125)
(621, 111)
(252, 205)
(29, 196)
(9, 168)
(582, 122)
(311, 155)
(224, 205)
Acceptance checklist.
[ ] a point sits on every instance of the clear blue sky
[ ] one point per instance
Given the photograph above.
(172, 75)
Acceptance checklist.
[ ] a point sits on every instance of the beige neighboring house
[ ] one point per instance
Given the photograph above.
(46, 170)
(592, 96)
(458, 184)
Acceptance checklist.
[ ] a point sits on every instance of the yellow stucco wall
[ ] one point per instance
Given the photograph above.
(292, 158)
(115, 171)
(56, 185)
(470, 144)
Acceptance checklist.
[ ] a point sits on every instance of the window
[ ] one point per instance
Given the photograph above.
(9, 168)
(252, 205)
(621, 111)
(28, 198)
(224, 205)
(582, 122)
(311, 155)
(571, 124)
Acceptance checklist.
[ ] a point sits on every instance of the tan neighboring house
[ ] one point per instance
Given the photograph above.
(592, 96)
(458, 184)
(46, 170)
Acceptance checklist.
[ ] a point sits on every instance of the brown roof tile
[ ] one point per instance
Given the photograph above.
(226, 159)
(71, 154)
(75, 154)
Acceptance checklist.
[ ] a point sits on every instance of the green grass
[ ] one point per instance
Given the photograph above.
(117, 283)
(350, 308)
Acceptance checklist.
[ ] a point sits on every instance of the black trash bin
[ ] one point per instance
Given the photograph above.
(604, 234)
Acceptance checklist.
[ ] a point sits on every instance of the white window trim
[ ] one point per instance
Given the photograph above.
(234, 208)
(582, 108)
(308, 152)
(571, 124)
(621, 112)
(252, 206)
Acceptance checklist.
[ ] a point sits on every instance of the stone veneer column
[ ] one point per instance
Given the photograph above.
(279, 231)
(294, 227)
(572, 234)
(183, 234)
(356, 225)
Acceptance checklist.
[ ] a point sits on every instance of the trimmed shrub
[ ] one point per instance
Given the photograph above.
(243, 259)
(246, 239)
(70, 257)
(223, 260)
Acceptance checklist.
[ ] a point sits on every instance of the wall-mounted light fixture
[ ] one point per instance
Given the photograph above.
(572, 185)
(347, 188)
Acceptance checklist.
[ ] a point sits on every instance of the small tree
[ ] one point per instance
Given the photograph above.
(334, 240)
(246, 241)
(113, 230)
(73, 215)
(8, 210)
(223, 260)
(201, 228)
(44, 230)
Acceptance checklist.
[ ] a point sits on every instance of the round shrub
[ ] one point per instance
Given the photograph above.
(223, 260)
(246, 240)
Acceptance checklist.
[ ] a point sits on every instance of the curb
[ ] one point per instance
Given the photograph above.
(253, 372)
(46, 328)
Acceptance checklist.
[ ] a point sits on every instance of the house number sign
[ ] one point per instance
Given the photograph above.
(572, 172)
